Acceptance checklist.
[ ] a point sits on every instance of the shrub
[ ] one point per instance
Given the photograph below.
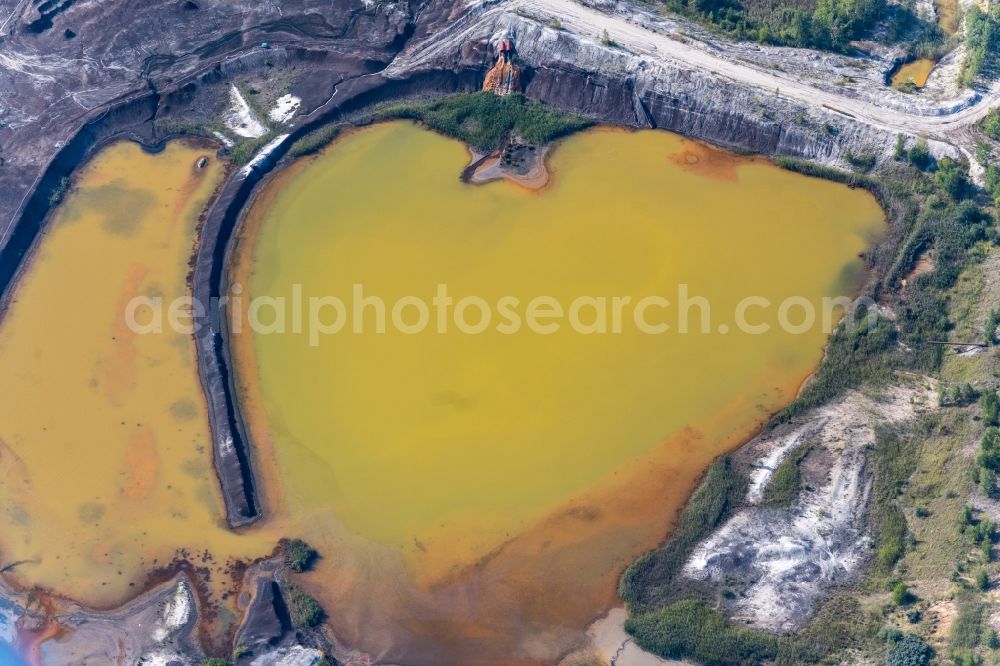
(988, 481)
(59, 191)
(304, 611)
(951, 177)
(900, 154)
(298, 554)
(967, 628)
(990, 406)
(982, 32)
(901, 594)
(989, 449)
(982, 580)
(863, 162)
(990, 124)
(920, 155)
(990, 327)
(910, 651)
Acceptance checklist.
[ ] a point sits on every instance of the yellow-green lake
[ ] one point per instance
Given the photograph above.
(528, 467)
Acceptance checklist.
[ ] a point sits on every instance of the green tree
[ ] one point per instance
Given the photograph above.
(988, 481)
(910, 651)
(900, 153)
(920, 155)
(990, 328)
(298, 554)
(951, 178)
(901, 594)
(990, 405)
(982, 580)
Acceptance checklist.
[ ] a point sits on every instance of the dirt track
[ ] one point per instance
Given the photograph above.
(588, 22)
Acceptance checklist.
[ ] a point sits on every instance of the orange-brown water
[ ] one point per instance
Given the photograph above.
(915, 72)
(105, 451)
(576, 451)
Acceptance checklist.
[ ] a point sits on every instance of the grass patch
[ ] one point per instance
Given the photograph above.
(895, 460)
(941, 484)
(786, 481)
(967, 629)
(484, 120)
(647, 581)
(314, 140)
(244, 151)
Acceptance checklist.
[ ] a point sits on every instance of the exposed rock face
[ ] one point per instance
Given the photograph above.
(503, 79)
(615, 86)
(130, 59)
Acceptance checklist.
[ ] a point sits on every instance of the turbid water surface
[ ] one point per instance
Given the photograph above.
(487, 488)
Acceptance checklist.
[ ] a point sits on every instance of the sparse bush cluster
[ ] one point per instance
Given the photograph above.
(691, 629)
(956, 395)
(982, 38)
(822, 24)
(314, 140)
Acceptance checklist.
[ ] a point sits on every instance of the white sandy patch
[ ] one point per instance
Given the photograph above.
(162, 659)
(789, 556)
(175, 614)
(240, 117)
(285, 108)
(292, 656)
(223, 139)
(227, 446)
